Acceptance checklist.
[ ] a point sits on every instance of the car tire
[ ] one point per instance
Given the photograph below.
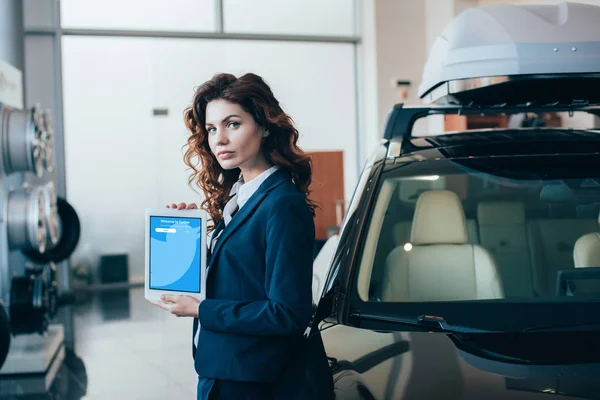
(4, 335)
(71, 230)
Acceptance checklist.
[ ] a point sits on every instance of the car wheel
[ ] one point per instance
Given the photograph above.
(71, 230)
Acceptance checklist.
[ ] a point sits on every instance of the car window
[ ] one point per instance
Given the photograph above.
(480, 229)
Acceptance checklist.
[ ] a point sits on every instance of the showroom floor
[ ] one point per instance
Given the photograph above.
(125, 348)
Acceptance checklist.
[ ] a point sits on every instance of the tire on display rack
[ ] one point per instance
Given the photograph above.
(70, 232)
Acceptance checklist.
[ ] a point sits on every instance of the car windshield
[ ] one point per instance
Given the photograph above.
(489, 228)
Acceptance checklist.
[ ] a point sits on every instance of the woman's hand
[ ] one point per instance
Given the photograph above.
(183, 206)
(181, 306)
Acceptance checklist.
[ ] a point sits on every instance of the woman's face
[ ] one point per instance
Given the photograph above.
(233, 136)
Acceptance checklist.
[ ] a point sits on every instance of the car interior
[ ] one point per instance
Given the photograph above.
(462, 237)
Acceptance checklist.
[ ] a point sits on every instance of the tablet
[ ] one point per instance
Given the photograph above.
(175, 253)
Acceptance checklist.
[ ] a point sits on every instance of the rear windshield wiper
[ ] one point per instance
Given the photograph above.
(427, 323)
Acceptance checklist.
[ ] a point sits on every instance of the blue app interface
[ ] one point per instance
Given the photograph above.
(175, 253)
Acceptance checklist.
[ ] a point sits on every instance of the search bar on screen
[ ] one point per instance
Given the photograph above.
(165, 230)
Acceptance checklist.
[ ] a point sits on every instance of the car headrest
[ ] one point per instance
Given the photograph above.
(586, 252)
(439, 219)
(501, 213)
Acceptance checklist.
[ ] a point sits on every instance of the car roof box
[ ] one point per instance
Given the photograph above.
(509, 54)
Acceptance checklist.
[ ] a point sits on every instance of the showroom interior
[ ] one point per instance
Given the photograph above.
(93, 134)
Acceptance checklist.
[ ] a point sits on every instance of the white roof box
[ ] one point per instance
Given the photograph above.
(502, 53)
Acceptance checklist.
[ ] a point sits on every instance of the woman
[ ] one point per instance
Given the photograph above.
(248, 333)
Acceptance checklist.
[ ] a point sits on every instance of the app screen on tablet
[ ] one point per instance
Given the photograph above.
(175, 253)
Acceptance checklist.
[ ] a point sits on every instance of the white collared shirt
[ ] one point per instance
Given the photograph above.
(247, 189)
(241, 192)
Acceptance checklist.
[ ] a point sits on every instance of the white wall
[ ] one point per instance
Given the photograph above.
(120, 159)
(404, 31)
(110, 143)
(367, 70)
(401, 50)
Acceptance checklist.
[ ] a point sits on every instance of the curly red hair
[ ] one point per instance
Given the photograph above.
(280, 148)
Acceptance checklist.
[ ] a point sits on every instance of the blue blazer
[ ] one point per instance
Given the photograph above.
(258, 288)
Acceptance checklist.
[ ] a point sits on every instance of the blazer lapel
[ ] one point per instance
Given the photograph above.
(247, 210)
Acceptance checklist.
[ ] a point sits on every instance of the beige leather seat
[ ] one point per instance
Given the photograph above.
(503, 232)
(553, 246)
(586, 252)
(441, 265)
(401, 232)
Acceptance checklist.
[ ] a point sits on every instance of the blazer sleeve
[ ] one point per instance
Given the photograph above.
(289, 241)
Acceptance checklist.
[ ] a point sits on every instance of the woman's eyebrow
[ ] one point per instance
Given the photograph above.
(226, 118)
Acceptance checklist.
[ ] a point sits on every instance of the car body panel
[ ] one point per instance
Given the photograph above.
(418, 365)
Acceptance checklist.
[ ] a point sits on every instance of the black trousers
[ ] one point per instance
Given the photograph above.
(235, 390)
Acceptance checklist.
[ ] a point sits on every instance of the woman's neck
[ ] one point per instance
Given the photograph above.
(255, 170)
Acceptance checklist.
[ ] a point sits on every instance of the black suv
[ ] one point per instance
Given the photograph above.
(467, 266)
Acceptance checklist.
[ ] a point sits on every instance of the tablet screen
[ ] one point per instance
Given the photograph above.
(174, 262)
